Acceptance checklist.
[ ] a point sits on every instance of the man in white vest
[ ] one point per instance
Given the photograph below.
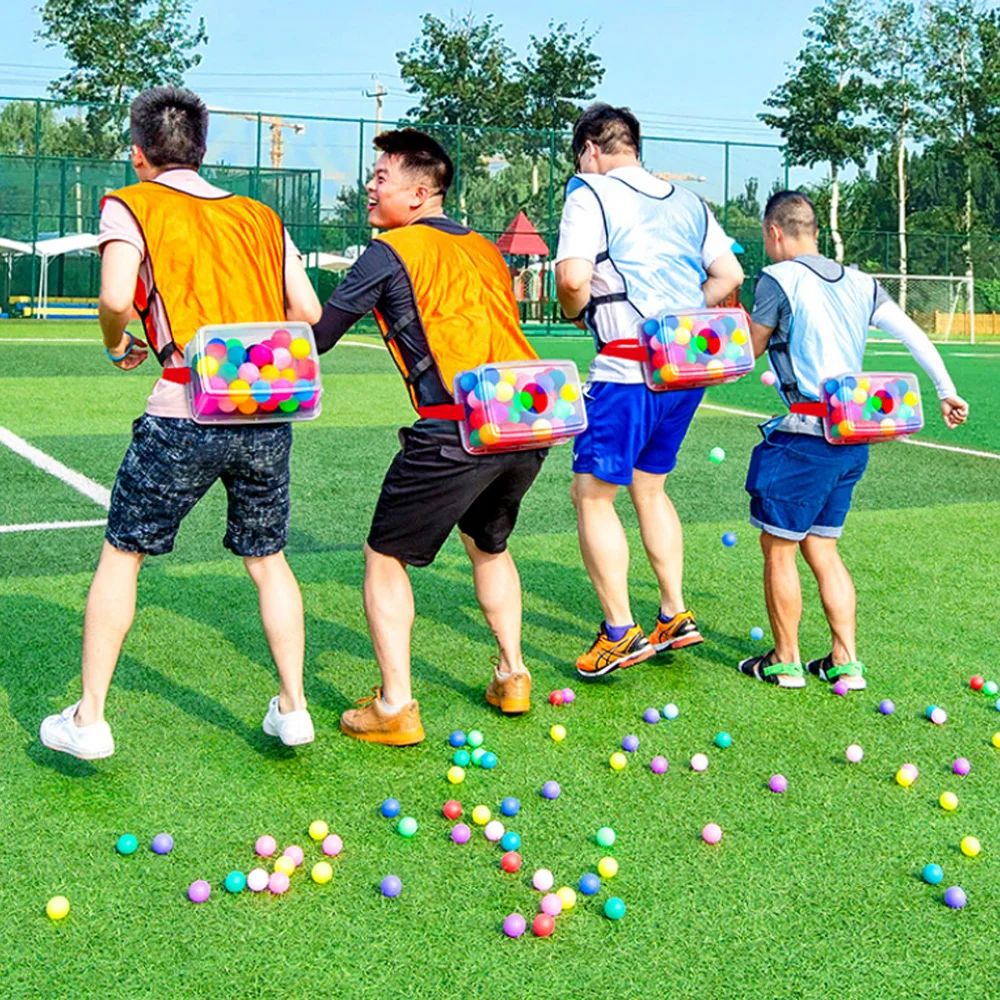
(630, 246)
(812, 315)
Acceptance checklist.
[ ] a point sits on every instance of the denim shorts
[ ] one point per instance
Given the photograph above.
(800, 485)
(169, 467)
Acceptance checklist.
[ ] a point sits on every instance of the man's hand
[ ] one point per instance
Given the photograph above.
(955, 411)
(134, 358)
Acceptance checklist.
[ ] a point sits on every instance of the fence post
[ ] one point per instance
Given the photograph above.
(35, 208)
(552, 230)
(361, 182)
(786, 168)
(462, 214)
(725, 187)
(62, 223)
(256, 169)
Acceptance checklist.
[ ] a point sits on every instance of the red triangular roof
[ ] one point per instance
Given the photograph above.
(521, 239)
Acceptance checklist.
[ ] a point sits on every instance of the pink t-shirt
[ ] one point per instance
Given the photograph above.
(117, 223)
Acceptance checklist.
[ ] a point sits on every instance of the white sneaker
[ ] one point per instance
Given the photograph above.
(60, 732)
(294, 729)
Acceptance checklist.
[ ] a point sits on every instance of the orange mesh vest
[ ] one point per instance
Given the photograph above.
(465, 301)
(214, 260)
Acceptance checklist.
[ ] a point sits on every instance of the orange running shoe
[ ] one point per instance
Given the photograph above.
(512, 695)
(607, 655)
(370, 722)
(677, 633)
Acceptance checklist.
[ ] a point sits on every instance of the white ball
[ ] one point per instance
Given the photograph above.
(699, 762)
(494, 830)
(854, 753)
(671, 711)
(939, 716)
(543, 880)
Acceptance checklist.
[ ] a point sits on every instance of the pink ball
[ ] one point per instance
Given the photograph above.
(205, 404)
(266, 846)
(199, 891)
(296, 853)
(543, 880)
(278, 883)
(260, 355)
(226, 405)
(218, 383)
(699, 762)
(961, 766)
(659, 765)
(332, 845)
(217, 350)
(281, 338)
(569, 696)
(249, 372)
(282, 358)
(257, 880)
(552, 905)
(840, 688)
(712, 833)
(778, 783)
(768, 377)
(310, 403)
(305, 368)
(854, 753)
(281, 390)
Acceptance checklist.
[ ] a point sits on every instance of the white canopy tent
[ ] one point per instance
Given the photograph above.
(49, 249)
(327, 261)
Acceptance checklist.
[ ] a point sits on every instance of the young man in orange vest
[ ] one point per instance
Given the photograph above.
(442, 297)
(190, 255)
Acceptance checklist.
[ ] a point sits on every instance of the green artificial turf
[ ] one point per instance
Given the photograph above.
(811, 894)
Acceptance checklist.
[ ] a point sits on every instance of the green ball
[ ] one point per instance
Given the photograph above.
(461, 758)
(614, 908)
(235, 882)
(407, 826)
(717, 455)
(288, 405)
(606, 837)
(990, 688)
(723, 740)
(127, 844)
(477, 755)
(475, 739)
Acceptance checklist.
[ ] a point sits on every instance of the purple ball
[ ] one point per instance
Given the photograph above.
(551, 790)
(961, 766)
(659, 765)
(163, 843)
(840, 688)
(460, 833)
(886, 706)
(778, 783)
(514, 925)
(569, 696)
(651, 715)
(630, 743)
(199, 891)
(955, 897)
(391, 886)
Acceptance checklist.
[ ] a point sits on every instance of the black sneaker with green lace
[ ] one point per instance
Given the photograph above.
(852, 674)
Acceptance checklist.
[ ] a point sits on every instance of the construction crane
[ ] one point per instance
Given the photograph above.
(276, 124)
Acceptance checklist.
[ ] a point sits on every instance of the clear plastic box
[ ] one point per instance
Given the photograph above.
(253, 373)
(519, 406)
(871, 406)
(695, 348)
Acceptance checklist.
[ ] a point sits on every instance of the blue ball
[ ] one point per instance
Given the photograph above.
(756, 633)
(510, 841)
(461, 758)
(390, 808)
(488, 761)
(590, 884)
(886, 706)
(236, 354)
(551, 790)
(929, 711)
(651, 715)
(729, 539)
(630, 743)
(457, 738)
(510, 806)
(723, 740)
(235, 882)
(468, 381)
(932, 874)
(650, 327)
(391, 886)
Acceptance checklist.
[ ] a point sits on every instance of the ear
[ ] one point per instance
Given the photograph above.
(138, 158)
(419, 196)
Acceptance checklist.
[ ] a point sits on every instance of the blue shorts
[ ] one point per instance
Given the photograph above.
(630, 427)
(799, 485)
(169, 467)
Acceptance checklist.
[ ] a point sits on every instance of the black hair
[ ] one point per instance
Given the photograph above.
(419, 153)
(792, 212)
(170, 126)
(612, 130)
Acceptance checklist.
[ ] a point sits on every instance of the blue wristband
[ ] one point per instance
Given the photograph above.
(122, 357)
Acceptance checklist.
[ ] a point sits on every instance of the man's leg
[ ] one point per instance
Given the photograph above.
(836, 589)
(603, 545)
(390, 611)
(783, 594)
(662, 537)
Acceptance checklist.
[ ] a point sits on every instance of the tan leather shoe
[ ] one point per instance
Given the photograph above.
(512, 695)
(370, 722)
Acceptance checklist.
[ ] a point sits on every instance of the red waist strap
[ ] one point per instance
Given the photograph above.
(631, 350)
(442, 411)
(179, 375)
(810, 409)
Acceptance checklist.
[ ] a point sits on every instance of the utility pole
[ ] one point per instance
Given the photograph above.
(379, 94)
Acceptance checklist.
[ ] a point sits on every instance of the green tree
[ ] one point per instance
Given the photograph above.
(21, 122)
(118, 49)
(820, 109)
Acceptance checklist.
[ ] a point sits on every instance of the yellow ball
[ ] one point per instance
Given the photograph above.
(239, 391)
(715, 368)
(970, 846)
(504, 392)
(860, 396)
(284, 864)
(541, 430)
(739, 336)
(322, 872)
(683, 336)
(269, 373)
(904, 778)
(207, 366)
(619, 761)
(996, 740)
(318, 829)
(289, 373)
(570, 393)
(57, 908)
(687, 323)
(568, 897)
(607, 868)
(508, 376)
(456, 774)
(481, 815)
(864, 383)
(489, 434)
(558, 733)
(911, 398)
(887, 426)
(949, 801)
(299, 348)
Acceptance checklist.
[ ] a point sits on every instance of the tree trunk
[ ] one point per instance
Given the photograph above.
(838, 243)
(967, 222)
(901, 181)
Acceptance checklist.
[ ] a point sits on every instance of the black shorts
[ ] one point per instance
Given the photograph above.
(169, 467)
(433, 485)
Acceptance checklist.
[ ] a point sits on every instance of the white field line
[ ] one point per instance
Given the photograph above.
(101, 495)
(9, 529)
(357, 343)
(50, 340)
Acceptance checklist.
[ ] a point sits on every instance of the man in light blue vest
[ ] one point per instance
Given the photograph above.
(812, 316)
(630, 246)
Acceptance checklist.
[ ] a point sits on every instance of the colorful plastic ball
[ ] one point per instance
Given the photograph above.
(510, 806)
(456, 775)
(558, 733)
(282, 358)
(390, 808)
(569, 696)
(970, 846)
(671, 711)
(551, 904)
(711, 833)
(568, 897)
(886, 706)
(990, 688)
(768, 377)
(494, 830)
(216, 348)
(488, 761)
(606, 837)
(481, 815)
(511, 862)
(406, 827)
(651, 715)
(756, 633)
(235, 882)
(475, 739)
(457, 738)
(551, 790)
(590, 884)
(556, 698)
(249, 372)
(961, 766)
(948, 801)
(778, 784)
(618, 761)
(207, 367)
(631, 743)
(723, 740)
(318, 829)
(932, 874)
(321, 872)
(997, 705)
(614, 908)
(257, 880)
(510, 841)
(841, 688)
(854, 753)
(452, 809)
(199, 891)
(281, 338)
(699, 762)
(332, 845)
(460, 833)
(163, 843)
(478, 754)
(285, 864)
(239, 391)
(607, 867)
(659, 765)
(955, 897)
(227, 372)
(542, 880)
(303, 389)
(57, 908)
(261, 355)
(391, 886)
(717, 455)
(461, 758)
(729, 539)
(299, 348)
(996, 740)
(543, 925)
(906, 775)
(514, 925)
(977, 682)
(939, 716)
(127, 844)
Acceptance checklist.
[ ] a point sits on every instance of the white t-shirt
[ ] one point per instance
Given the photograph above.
(582, 236)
